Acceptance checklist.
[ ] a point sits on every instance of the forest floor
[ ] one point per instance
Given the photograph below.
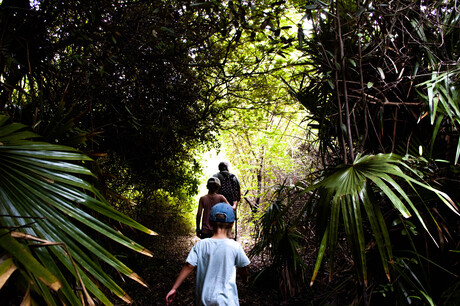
(161, 270)
(169, 254)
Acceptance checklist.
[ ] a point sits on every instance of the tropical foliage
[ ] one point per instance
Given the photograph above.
(140, 87)
(48, 213)
(380, 78)
(347, 195)
(143, 88)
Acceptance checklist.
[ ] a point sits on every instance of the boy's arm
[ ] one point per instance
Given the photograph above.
(186, 270)
(224, 199)
(198, 215)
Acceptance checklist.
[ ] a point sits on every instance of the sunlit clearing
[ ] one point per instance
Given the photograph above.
(210, 161)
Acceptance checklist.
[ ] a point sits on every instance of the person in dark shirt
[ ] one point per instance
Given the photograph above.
(230, 185)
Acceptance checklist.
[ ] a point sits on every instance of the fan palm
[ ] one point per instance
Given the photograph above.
(365, 102)
(47, 214)
(350, 191)
(281, 240)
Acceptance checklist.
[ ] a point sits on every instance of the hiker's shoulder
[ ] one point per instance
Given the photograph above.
(221, 198)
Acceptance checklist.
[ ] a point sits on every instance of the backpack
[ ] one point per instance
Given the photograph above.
(228, 186)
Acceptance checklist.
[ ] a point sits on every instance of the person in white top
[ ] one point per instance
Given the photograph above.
(216, 259)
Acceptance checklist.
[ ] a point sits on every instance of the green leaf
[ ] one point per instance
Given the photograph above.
(377, 230)
(7, 267)
(344, 184)
(333, 231)
(352, 62)
(22, 254)
(44, 186)
(397, 203)
(319, 258)
(10, 128)
(382, 74)
(435, 133)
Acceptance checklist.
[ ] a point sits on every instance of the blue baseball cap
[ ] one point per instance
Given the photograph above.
(224, 209)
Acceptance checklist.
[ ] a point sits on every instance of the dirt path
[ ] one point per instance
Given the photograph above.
(161, 271)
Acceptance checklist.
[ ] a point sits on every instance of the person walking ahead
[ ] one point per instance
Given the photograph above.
(216, 260)
(230, 185)
(205, 204)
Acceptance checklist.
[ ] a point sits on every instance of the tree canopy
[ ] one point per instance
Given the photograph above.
(137, 90)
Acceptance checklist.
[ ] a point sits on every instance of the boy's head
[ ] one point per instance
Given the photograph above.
(222, 216)
(213, 184)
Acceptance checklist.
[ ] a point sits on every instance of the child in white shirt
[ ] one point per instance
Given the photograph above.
(216, 260)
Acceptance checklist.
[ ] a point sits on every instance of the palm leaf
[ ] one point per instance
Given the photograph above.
(23, 255)
(44, 194)
(349, 187)
(7, 267)
(443, 101)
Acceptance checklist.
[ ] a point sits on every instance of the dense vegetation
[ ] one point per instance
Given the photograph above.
(342, 118)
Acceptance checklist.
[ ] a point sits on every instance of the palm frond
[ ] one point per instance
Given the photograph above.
(44, 195)
(349, 189)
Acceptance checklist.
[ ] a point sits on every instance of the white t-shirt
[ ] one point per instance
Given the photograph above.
(216, 261)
